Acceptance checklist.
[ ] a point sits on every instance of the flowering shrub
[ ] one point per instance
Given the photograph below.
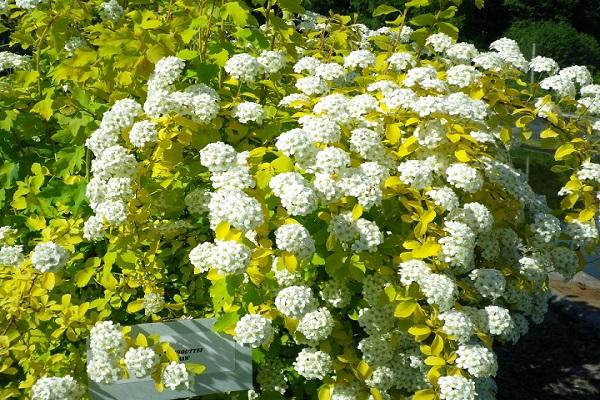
(342, 200)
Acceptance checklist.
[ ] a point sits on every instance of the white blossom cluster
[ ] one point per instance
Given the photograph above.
(249, 112)
(175, 376)
(253, 330)
(477, 360)
(456, 387)
(74, 43)
(28, 4)
(312, 363)
(107, 346)
(363, 235)
(141, 361)
(296, 301)
(316, 325)
(295, 238)
(13, 61)
(153, 303)
(230, 175)
(49, 256)
(11, 255)
(111, 10)
(225, 256)
(110, 189)
(56, 388)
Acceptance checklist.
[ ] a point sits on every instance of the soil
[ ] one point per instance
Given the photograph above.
(559, 359)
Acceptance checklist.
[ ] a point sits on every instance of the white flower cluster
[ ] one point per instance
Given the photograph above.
(295, 238)
(363, 235)
(456, 388)
(28, 4)
(316, 325)
(249, 112)
(295, 301)
(589, 172)
(458, 324)
(230, 175)
(111, 10)
(458, 245)
(253, 330)
(296, 195)
(175, 376)
(140, 362)
(490, 283)
(110, 190)
(312, 363)
(143, 133)
(73, 44)
(582, 233)
(11, 255)
(438, 289)
(359, 58)
(56, 388)
(543, 64)
(153, 303)
(225, 256)
(478, 360)
(107, 346)
(336, 293)
(465, 177)
(10, 60)
(49, 256)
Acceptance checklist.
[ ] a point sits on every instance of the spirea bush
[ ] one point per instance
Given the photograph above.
(341, 200)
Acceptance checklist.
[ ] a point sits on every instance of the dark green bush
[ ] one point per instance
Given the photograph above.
(557, 40)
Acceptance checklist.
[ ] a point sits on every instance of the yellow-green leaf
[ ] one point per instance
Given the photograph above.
(325, 392)
(419, 330)
(563, 151)
(357, 212)
(462, 156)
(141, 340)
(196, 369)
(43, 108)
(425, 394)
(135, 306)
(434, 360)
(405, 309)
(427, 249)
(222, 230)
(48, 281)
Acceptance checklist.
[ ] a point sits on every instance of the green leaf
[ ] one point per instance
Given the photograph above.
(43, 108)
(417, 3)
(238, 13)
(187, 54)
(292, 6)
(479, 4)
(226, 321)
(384, 9)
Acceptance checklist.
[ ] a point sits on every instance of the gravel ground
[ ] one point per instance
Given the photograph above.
(557, 360)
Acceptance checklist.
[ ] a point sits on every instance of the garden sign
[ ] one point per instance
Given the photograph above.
(228, 365)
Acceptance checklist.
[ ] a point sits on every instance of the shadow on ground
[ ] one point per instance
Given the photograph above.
(557, 360)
